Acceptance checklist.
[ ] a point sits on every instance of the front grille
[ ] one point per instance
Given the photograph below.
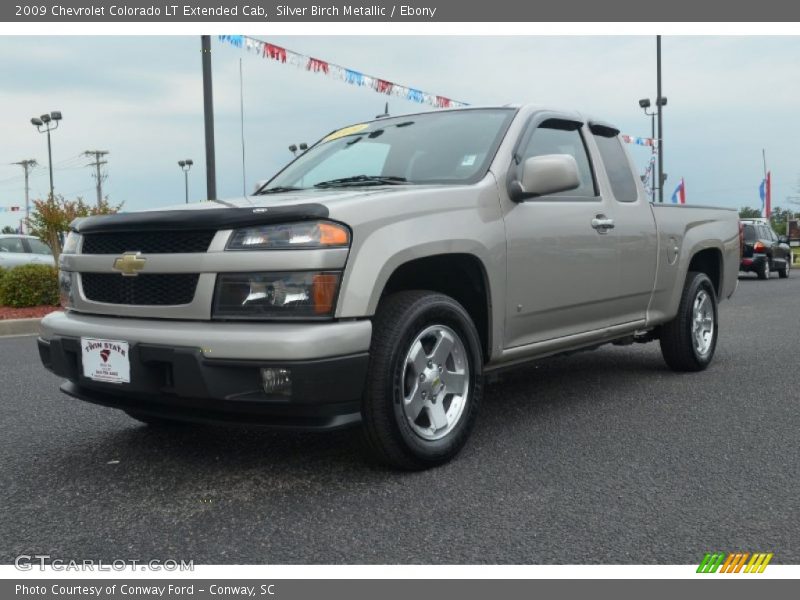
(144, 290)
(148, 242)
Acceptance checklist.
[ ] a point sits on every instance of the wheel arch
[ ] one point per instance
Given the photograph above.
(460, 275)
(708, 261)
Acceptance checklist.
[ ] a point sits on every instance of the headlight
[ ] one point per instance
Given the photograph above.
(71, 243)
(305, 294)
(285, 236)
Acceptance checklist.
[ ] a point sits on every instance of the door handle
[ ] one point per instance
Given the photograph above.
(602, 223)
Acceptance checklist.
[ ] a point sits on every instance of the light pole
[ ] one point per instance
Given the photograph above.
(45, 122)
(659, 108)
(644, 103)
(185, 166)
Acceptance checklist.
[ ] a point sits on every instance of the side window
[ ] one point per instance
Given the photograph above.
(749, 233)
(563, 137)
(623, 182)
(11, 245)
(39, 247)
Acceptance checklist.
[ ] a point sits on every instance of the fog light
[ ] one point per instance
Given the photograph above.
(277, 381)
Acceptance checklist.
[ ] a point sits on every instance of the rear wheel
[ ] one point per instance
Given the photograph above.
(689, 340)
(425, 380)
(787, 267)
(764, 271)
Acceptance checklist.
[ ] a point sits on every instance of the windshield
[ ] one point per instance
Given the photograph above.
(436, 147)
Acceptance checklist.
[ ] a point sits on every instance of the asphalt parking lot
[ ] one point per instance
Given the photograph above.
(601, 457)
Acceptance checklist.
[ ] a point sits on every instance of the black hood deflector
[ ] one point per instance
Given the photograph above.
(204, 219)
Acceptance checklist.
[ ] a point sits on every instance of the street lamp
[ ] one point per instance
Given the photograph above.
(294, 148)
(644, 103)
(49, 123)
(185, 166)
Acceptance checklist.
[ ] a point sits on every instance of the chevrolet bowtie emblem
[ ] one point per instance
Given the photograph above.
(129, 264)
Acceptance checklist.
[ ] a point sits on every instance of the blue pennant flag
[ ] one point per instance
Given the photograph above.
(415, 96)
(353, 77)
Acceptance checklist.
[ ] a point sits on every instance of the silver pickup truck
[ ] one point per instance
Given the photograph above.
(382, 274)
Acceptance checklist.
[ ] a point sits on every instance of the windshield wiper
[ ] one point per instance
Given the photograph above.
(276, 190)
(363, 180)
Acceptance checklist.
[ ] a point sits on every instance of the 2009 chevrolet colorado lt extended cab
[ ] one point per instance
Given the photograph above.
(380, 275)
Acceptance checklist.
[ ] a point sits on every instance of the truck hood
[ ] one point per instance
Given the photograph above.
(254, 210)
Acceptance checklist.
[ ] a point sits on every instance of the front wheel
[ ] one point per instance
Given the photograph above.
(689, 340)
(425, 380)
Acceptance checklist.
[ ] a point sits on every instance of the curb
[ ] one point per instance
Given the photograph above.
(19, 326)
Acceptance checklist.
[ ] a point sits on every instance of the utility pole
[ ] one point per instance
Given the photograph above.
(208, 112)
(660, 122)
(98, 155)
(27, 166)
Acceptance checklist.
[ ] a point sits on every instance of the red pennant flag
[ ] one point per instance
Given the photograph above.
(317, 65)
(442, 102)
(275, 52)
(383, 87)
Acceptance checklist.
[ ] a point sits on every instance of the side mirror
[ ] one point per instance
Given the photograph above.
(783, 239)
(545, 175)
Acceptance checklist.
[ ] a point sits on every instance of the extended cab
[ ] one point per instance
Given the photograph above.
(378, 277)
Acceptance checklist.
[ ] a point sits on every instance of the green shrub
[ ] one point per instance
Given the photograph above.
(29, 285)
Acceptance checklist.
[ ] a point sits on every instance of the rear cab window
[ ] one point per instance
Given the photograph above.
(615, 161)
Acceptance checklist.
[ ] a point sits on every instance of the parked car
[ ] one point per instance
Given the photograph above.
(16, 250)
(764, 251)
(381, 275)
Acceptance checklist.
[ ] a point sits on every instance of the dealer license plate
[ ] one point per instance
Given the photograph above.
(106, 360)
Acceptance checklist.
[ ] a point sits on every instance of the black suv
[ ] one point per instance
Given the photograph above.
(764, 250)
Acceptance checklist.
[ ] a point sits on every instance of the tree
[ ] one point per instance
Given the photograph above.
(50, 218)
(778, 217)
(8, 229)
(749, 213)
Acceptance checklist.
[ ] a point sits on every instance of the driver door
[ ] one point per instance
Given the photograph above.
(563, 270)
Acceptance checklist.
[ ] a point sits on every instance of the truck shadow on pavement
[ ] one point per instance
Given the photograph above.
(513, 405)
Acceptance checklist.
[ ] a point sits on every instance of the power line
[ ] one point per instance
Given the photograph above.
(99, 177)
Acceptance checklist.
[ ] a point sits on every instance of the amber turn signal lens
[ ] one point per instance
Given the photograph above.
(323, 289)
(331, 234)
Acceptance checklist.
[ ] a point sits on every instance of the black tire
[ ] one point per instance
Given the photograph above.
(400, 318)
(154, 421)
(787, 266)
(763, 270)
(677, 341)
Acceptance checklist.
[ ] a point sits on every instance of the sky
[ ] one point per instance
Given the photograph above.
(140, 98)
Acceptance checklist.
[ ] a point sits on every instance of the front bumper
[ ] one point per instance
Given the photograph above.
(193, 382)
